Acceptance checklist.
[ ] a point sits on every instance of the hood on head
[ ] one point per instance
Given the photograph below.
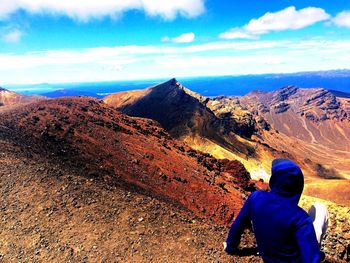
(287, 179)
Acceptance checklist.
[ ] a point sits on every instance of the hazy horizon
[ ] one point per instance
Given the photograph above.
(211, 86)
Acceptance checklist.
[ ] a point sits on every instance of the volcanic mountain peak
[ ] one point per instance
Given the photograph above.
(175, 88)
(170, 83)
(323, 99)
(176, 108)
(167, 86)
(320, 104)
(299, 95)
(204, 124)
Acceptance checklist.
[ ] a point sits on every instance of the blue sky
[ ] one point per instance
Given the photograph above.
(101, 40)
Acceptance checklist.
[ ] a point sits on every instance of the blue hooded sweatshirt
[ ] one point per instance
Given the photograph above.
(284, 232)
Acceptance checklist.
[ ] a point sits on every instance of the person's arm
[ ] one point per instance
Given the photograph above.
(307, 242)
(242, 222)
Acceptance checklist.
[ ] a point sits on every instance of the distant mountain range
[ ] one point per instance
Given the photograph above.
(70, 93)
(337, 80)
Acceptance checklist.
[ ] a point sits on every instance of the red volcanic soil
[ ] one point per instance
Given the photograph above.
(51, 213)
(99, 141)
(81, 182)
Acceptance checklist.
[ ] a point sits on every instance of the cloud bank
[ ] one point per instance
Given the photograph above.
(153, 62)
(85, 10)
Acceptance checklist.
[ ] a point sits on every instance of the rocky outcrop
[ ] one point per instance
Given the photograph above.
(324, 105)
(284, 94)
(281, 107)
(233, 116)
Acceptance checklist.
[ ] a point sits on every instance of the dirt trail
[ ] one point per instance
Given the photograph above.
(304, 124)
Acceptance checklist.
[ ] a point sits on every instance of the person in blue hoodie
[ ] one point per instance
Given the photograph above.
(284, 232)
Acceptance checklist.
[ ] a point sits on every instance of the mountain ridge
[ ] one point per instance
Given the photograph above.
(288, 123)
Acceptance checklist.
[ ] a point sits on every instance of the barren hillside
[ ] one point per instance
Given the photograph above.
(82, 182)
(310, 126)
(10, 98)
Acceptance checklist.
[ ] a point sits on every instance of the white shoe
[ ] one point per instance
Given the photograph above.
(319, 214)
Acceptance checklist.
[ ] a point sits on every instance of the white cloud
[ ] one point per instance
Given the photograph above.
(151, 62)
(13, 36)
(237, 33)
(342, 19)
(286, 19)
(184, 38)
(84, 10)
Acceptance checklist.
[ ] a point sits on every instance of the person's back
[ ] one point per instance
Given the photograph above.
(284, 232)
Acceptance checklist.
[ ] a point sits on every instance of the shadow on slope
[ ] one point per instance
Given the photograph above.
(180, 112)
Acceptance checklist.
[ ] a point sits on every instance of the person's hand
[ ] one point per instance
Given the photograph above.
(229, 250)
(250, 251)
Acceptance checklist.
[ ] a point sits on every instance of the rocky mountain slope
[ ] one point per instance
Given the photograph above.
(186, 116)
(170, 105)
(51, 213)
(82, 182)
(313, 123)
(105, 144)
(311, 126)
(10, 98)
